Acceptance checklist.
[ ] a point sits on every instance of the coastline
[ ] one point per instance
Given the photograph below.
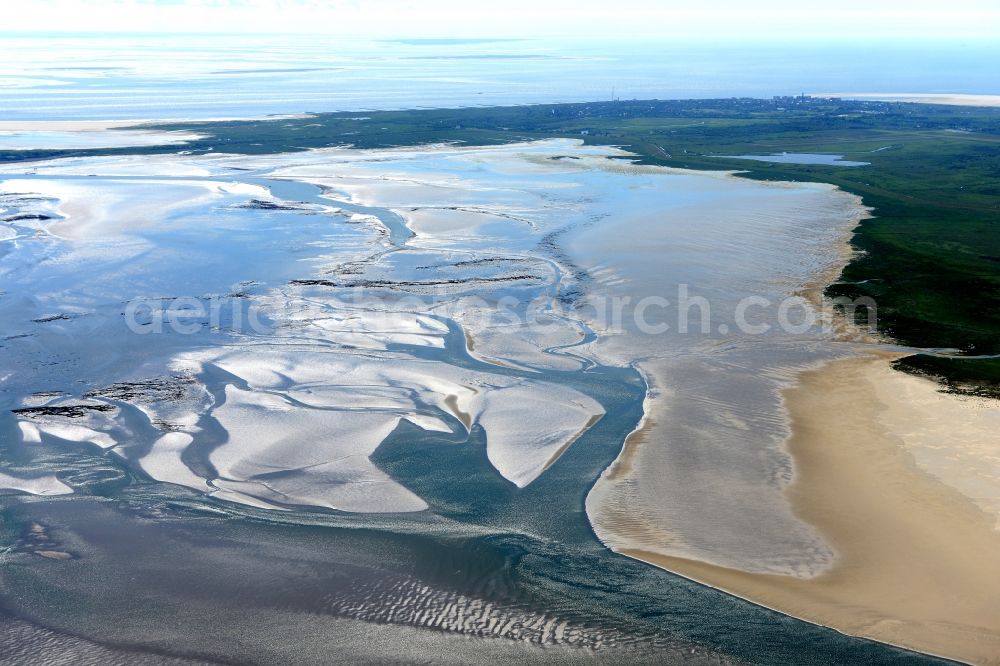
(90, 125)
(862, 596)
(704, 476)
(915, 560)
(955, 99)
(29, 135)
(882, 464)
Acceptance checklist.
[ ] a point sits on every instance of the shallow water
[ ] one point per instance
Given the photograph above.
(383, 452)
(801, 158)
(218, 76)
(63, 140)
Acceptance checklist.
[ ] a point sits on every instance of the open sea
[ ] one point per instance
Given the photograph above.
(59, 77)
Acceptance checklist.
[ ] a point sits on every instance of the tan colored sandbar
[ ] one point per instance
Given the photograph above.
(918, 562)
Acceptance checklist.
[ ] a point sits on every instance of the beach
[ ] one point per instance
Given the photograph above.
(892, 486)
(916, 559)
(899, 479)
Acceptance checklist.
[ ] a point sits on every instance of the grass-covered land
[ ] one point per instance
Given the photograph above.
(930, 257)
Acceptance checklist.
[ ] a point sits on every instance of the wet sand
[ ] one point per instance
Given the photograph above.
(65, 125)
(916, 559)
(706, 479)
(900, 482)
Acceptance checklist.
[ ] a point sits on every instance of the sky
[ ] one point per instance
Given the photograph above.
(705, 20)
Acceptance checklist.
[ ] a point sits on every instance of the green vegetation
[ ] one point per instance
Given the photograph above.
(930, 256)
(977, 377)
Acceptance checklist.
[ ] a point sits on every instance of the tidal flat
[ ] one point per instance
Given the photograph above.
(62, 135)
(374, 395)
